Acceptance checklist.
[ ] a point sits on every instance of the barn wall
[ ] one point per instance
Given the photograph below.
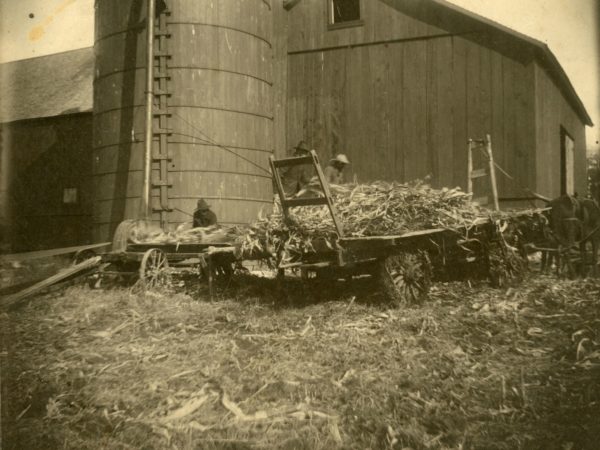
(405, 110)
(46, 156)
(308, 27)
(553, 111)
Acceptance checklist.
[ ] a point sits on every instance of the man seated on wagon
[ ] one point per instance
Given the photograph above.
(203, 216)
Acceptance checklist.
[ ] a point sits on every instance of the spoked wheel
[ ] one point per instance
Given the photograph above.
(405, 278)
(154, 268)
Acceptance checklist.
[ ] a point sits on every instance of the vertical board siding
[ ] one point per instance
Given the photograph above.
(553, 111)
(497, 119)
(459, 111)
(440, 110)
(404, 110)
(416, 161)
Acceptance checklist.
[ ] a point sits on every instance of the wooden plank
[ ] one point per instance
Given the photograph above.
(509, 123)
(11, 300)
(478, 173)
(442, 116)
(396, 55)
(49, 253)
(414, 110)
(353, 129)
(497, 110)
(485, 83)
(409, 234)
(431, 111)
(381, 114)
(459, 111)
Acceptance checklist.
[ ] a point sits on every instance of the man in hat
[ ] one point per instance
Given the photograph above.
(334, 170)
(203, 216)
(296, 178)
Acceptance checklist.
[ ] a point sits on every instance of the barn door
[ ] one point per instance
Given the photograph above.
(567, 160)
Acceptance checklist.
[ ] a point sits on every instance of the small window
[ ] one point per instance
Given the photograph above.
(70, 196)
(344, 12)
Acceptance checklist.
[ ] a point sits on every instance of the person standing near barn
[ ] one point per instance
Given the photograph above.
(334, 170)
(203, 216)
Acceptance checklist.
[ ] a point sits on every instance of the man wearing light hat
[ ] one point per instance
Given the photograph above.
(333, 171)
(203, 216)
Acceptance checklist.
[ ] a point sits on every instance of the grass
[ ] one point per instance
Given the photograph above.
(292, 366)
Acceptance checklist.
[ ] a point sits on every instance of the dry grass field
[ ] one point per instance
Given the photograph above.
(291, 366)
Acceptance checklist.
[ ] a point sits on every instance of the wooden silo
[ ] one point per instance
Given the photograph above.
(214, 59)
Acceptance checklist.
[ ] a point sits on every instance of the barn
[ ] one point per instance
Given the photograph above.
(46, 151)
(401, 85)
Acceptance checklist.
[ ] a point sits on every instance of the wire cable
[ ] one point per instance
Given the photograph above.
(216, 144)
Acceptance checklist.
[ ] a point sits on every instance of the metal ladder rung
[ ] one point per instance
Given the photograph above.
(160, 183)
(478, 173)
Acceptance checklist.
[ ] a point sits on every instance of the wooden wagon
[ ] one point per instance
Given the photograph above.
(403, 264)
(153, 262)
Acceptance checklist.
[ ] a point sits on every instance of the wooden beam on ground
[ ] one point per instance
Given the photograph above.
(11, 300)
(52, 252)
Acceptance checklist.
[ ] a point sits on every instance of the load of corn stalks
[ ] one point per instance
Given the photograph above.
(379, 208)
(144, 233)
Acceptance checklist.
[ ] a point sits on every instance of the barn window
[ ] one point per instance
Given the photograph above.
(344, 13)
(70, 196)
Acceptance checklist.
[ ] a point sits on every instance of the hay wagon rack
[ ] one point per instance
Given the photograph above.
(404, 264)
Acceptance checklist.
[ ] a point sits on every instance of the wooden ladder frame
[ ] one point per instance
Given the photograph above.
(474, 144)
(287, 203)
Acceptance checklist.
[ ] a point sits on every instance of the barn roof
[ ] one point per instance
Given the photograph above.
(47, 86)
(449, 15)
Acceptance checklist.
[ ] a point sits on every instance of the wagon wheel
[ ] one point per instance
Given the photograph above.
(154, 268)
(405, 277)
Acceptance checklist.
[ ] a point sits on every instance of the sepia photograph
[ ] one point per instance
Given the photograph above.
(300, 224)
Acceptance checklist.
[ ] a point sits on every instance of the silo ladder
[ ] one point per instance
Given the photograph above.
(287, 203)
(161, 112)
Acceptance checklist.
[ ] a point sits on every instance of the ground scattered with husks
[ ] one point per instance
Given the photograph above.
(288, 366)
